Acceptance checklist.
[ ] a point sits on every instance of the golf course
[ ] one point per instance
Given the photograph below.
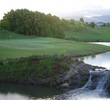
(14, 45)
(55, 50)
(97, 34)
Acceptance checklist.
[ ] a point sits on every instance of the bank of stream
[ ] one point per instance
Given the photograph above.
(31, 71)
(98, 84)
(102, 59)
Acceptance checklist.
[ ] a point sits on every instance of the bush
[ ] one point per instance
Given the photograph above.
(22, 69)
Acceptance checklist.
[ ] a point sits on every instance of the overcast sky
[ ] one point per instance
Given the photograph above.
(59, 7)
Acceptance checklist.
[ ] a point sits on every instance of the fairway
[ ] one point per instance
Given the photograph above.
(90, 34)
(13, 48)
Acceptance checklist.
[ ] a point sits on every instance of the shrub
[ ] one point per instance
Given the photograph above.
(22, 69)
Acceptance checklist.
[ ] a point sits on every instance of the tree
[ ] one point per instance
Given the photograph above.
(4, 24)
(74, 25)
(92, 24)
(23, 21)
(82, 20)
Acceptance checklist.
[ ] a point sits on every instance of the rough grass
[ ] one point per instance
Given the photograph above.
(26, 70)
(90, 34)
(13, 48)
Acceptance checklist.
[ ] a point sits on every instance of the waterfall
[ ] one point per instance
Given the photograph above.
(86, 92)
(88, 84)
(102, 78)
(102, 82)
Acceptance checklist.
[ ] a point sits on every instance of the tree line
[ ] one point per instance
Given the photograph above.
(23, 21)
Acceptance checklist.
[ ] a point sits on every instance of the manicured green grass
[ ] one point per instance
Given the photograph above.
(12, 48)
(11, 35)
(90, 34)
(20, 45)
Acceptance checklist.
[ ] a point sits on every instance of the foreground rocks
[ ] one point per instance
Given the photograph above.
(76, 76)
(61, 72)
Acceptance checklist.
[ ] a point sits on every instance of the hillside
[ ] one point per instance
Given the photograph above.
(103, 18)
(11, 35)
(90, 34)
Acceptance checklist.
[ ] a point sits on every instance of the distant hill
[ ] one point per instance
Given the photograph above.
(104, 18)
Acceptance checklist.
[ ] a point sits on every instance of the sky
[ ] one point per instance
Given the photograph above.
(59, 8)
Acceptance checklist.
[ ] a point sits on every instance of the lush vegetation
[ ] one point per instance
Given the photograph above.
(23, 21)
(38, 24)
(90, 34)
(73, 25)
(27, 22)
(34, 30)
(27, 70)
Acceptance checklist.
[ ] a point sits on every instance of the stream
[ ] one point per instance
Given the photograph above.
(92, 90)
(102, 60)
(95, 88)
(9, 91)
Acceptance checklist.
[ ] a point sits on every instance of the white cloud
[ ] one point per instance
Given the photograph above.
(58, 7)
(90, 16)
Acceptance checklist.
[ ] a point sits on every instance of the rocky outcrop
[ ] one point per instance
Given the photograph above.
(76, 76)
(63, 72)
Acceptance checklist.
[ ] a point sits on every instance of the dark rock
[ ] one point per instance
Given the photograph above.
(78, 72)
(108, 87)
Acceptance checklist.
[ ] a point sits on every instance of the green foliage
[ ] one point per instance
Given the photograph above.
(4, 24)
(92, 25)
(26, 22)
(1, 62)
(82, 20)
(72, 25)
(22, 69)
(63, 53)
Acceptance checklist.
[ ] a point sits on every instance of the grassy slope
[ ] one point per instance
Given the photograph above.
(89, 34)
(6, 35)
(40, 46)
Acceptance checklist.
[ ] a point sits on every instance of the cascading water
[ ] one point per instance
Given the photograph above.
(102, 82)
(88, 84)
(90, 91)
